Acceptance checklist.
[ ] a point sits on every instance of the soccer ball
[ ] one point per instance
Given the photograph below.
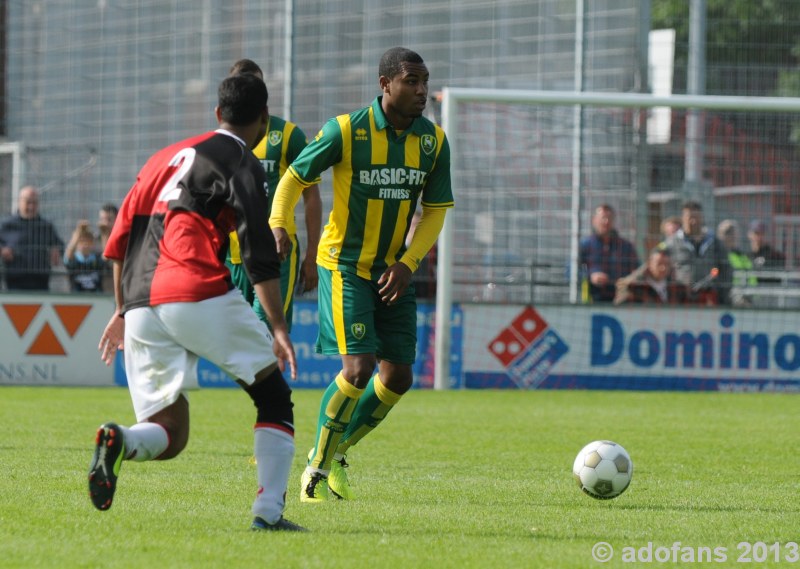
(603, 469)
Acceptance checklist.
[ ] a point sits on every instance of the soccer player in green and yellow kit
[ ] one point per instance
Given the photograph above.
(386, 158)
(282, 144)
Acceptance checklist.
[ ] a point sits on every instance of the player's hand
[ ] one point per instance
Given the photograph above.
(283, 349)
(394, 281)
(309, 278)
(112, 339)
(599, 279)
(282, 242)
(7, 253)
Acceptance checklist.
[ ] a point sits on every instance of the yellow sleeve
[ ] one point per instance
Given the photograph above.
(428, 229)
(236, 257)
(287, 194)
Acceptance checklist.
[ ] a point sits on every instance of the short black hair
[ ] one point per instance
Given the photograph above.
(245, 66)
(241, 99)
(692, 205)
(109, 208)
(392, 61)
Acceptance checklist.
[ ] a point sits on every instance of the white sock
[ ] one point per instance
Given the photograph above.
(274, 450)
(144, 441)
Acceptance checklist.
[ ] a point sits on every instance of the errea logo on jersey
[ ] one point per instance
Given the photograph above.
(43, 339)
(361, 134)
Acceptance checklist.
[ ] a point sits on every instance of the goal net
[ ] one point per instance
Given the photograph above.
(530, 168)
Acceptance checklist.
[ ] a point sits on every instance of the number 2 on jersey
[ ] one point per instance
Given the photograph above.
(171, 190)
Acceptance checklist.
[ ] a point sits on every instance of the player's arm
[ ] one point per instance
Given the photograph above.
(113, 336)
(397, 277)
(269, 295)
(312, 202)
(320, 154)
(425, 235)
(287, 194)
(312, 207)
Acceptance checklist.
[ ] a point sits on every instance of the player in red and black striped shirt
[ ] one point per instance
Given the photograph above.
(176, 302)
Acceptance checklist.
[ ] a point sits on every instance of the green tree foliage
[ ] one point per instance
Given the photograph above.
(750, 45)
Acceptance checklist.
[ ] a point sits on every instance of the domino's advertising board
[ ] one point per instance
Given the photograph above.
(640, 348)
(52, 340)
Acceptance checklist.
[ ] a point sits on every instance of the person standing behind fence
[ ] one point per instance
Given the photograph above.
(728, 233)
(763, 255)
(605, 256)
(106, 216)
(701, 260)
(29, 245)
(84, 263)
(670, 225)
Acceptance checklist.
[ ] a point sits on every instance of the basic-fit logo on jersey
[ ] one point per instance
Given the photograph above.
(428, 143)
(528, 348)
(275, 137)
(44, 341)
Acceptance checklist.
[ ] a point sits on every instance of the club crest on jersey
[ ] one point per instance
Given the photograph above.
(332, 252)
(275, 137)
(358, 329)
(428, 143)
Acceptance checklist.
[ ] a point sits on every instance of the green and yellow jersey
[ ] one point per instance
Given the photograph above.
(282, 144)
(379, 175)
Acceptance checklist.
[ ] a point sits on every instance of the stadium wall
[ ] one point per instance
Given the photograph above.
(53, 341)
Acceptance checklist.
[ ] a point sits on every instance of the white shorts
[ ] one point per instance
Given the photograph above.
(163, 344)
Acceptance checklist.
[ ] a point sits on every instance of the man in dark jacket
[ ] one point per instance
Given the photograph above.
(29, 245)
(605, 256)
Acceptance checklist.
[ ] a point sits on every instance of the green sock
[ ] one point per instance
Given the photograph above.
(335, 412)
(372, 408)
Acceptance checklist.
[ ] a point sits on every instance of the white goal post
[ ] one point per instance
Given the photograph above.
(453, 96)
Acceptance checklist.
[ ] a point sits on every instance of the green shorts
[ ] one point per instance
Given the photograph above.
(289, 274)
(354, 320)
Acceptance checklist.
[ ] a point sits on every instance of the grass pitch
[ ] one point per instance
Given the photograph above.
(451, 479)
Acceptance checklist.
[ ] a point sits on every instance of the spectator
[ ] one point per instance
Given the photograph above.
(84, 263)
(106, 217)
(728, 233)
(763, 256)
(700, 259)
(605, 256)
(670, 225)
(652, 283)
(29, 245)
